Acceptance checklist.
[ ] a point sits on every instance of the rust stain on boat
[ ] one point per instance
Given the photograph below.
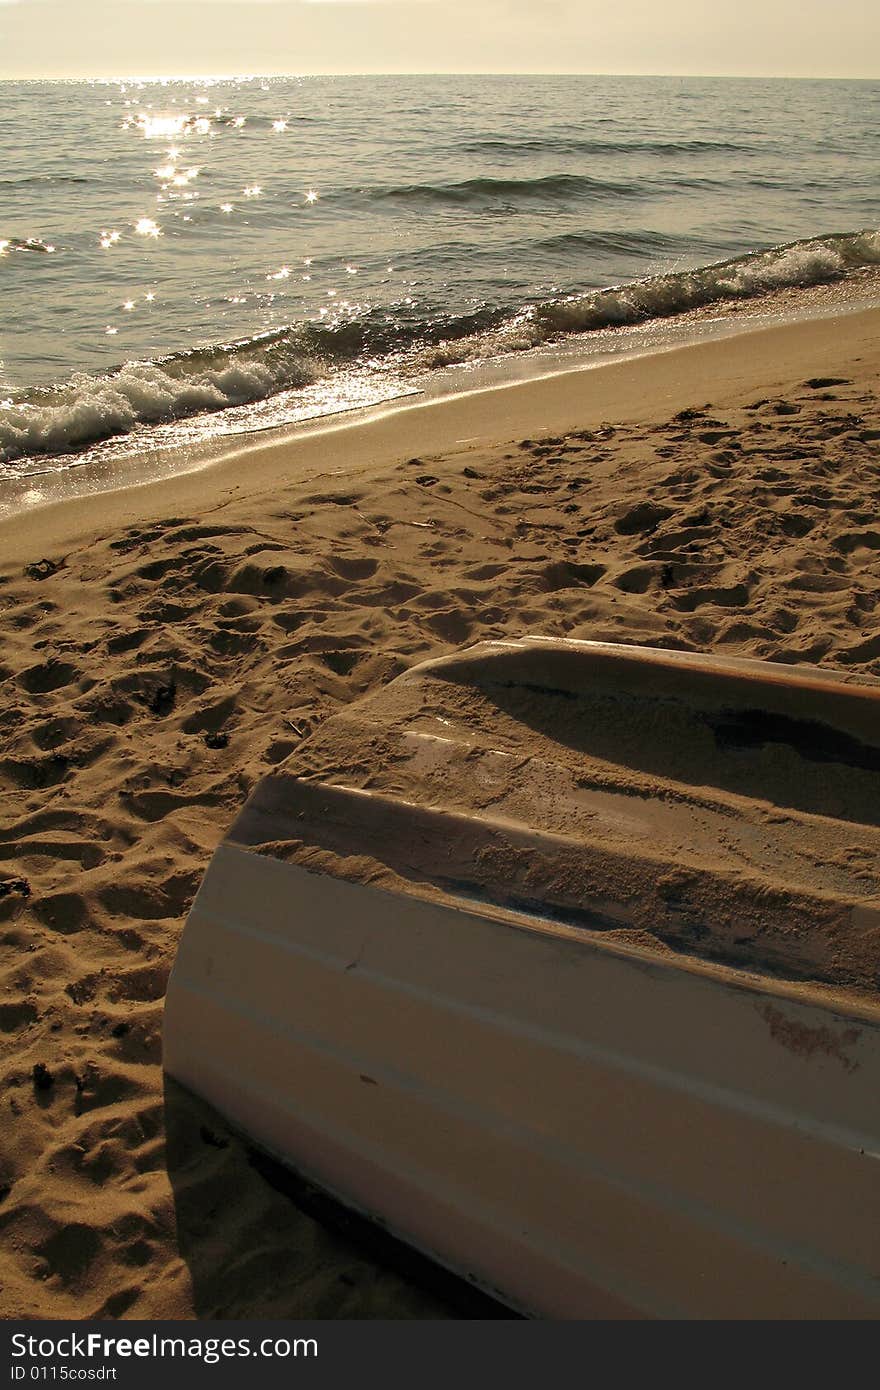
(808, 1041)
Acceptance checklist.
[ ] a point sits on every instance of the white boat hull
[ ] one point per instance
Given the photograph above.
(583, 1127)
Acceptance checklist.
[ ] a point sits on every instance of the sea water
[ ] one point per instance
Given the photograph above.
(181, 260)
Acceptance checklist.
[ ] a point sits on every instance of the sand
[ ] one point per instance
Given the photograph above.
(166, 646)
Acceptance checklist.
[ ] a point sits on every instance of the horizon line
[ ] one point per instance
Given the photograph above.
(446, 72)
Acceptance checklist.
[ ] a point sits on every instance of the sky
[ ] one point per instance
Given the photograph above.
(115, 38)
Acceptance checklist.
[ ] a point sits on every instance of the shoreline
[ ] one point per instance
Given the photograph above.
(187, 636)
(108, 467)
(631, 389)
(829, 272)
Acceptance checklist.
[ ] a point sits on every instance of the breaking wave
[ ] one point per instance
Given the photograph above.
(804, 263)
(89, 408)
(93, 407)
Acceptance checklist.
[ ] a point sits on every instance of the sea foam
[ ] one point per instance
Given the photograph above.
(91, 407)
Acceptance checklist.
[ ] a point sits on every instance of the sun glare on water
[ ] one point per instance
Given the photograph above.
(161, 127)
(164, 127)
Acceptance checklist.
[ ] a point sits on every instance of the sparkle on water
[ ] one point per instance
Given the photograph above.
(451, 200)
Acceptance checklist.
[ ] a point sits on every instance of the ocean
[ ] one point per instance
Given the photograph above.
(182, 261)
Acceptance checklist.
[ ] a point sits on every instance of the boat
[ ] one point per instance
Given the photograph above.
(558, 960)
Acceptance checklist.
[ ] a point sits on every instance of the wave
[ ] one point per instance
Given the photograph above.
(796, 264)
(90, 407)
(562, 249)
(479, 190)
(154, 125)
(641, 241)
(258, 121)
(24, 179)
(31, 243)
(562, 144)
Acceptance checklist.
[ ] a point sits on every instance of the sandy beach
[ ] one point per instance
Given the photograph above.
(164, 646)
